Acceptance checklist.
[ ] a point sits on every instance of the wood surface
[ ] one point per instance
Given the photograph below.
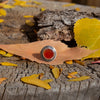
(14, 89)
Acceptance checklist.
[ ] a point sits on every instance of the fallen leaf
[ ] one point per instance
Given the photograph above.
(77, 9)
(68, 5)
(87, 34)
(51, 67)
(8, 6)
(43, 9)
(56, 72)
(29, 23)
(93, 6)
(1, 20)
(26, 5)
(28, 16)
(80, 78)
(72, 75)
(33, 80)
(48, 80)
(60, 71)
(2, 79)
(3, 53)
(3, 3)
(32, 51)
(7, 64)
(41, 75)
(2, 12)
(8, 55)
(79, 62)
(69, 62)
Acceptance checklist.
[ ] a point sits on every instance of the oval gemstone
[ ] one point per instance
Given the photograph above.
(48, 53)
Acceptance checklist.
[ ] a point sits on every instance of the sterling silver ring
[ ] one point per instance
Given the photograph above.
(48, 53)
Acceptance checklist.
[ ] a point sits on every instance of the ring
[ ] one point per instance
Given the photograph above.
(48, 53)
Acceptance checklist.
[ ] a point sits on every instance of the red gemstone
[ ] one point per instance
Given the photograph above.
(48, 53)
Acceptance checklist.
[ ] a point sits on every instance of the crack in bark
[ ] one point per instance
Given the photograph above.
(4, 91)
(78, 91)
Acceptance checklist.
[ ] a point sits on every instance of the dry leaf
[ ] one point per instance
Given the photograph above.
(51, 67)
(80, 78)
(7, 64)
(2, 12)
(60, 71)
(70, 4)
(3, 3)
(2, 79)
(79, 62)
(28, 16)
(56, 72)
(29, 23)
(1, 20)
(8, 55)
(43, 9)
(32, 51)
(8, 6)
(41, 75)
(71, 75)
(77, 9)
(69, 62)
(48, 80)
(3, 53)
(33, 80)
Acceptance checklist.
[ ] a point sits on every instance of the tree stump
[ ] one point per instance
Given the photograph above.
(14, 89)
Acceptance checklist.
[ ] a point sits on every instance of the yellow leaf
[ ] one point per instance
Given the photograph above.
(80, 78)
(43, 9)
(2, 4)
(69, 62)
(28, 16)
(77, 9)
(8, 64)
(2, 12)
(93, 6)
(29, 23)
(8, 6)
(34, 76)
(2, 52)
(48, 80)
(19, 3)
(38, 3)
(51, 67)
(71, 75)
(79, 62)
(55, 72)
(41, 75)
(2, 79)
(35, 81)
(1, 20)
(25, 5)
(87, 34)
(70, 4)
(8, 55)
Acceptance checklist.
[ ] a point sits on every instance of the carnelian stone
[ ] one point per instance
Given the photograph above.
(48, 53)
